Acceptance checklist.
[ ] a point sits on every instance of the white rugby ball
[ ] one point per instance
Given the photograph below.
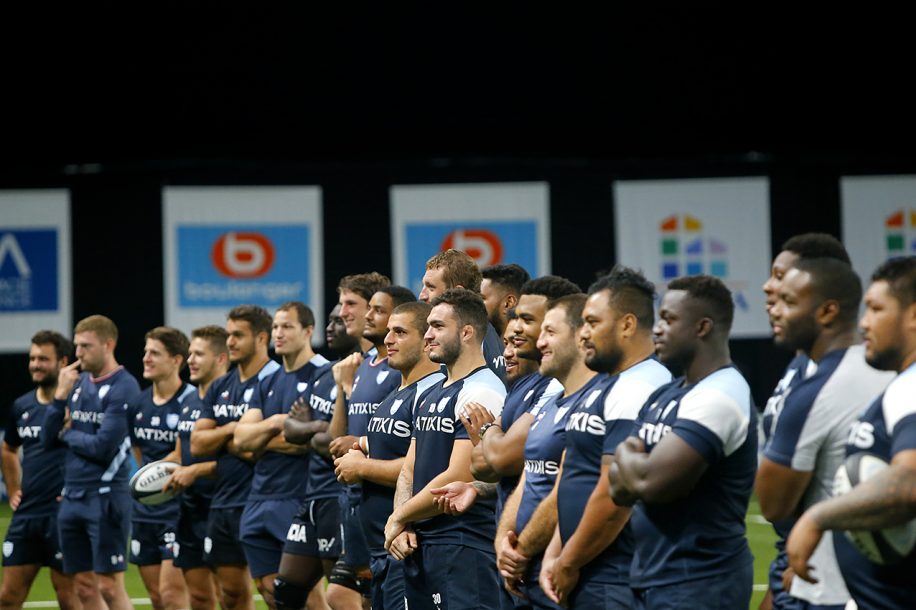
(883, 547)
(147, 483)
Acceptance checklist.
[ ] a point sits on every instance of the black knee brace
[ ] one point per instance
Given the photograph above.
(345, 576)
(288, 596)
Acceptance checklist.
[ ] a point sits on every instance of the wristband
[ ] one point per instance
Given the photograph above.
(485, 427)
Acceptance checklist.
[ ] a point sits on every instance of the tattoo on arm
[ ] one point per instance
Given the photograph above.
(404, 490)
(485, 490)
(885, 500)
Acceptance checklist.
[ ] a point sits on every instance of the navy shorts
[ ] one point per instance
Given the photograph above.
(222, 546)
(315, 530)
(721, 592)
(355, 547)
(94, 526)
(387, 583)
(451, 577)
(189, 537)
(601, 596)
(33, 541)
(536, 598)
(263, 533)
(151, 543)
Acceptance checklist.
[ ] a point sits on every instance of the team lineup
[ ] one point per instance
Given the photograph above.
(495, 442)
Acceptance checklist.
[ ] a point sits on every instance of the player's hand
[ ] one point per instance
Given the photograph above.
(403, 545)
(511, 563)
(275, 422)
(301, 410)
(513, 586)
(393, 529)
(475, 415)
(345, 370)
(16, 500)
(66, 379)
(347, 466)
(455, 498)
(181, 479)
(800, 545)
(787, 576)
(341, 445)
(565, 579)
(545, 579)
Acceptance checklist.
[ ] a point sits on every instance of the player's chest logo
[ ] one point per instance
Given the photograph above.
(171, 420)
(301, 386)
(381, 377)
(247, 395)
(103, 391)
(561, 412)
(396, 405)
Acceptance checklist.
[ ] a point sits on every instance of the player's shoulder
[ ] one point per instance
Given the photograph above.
(483, 379)
(648, 373)
(123, 379)
(185, 391)
(269, 369)
(898, 401)
(24, 402)
(724, 387)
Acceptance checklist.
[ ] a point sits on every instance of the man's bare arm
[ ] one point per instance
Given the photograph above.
(209, 439)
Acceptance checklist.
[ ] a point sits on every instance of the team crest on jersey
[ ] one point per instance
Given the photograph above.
(396, 405)
(441, 407)
(333, 392)
(76, 393)
(382, 376)
(25, 416)
(224, 394)
(300, 387)
(560, 413)
(528, 395)
(247, 395)
(591, 398)
(171, 420)
(7, 548)
(355, 383)
(103, 391)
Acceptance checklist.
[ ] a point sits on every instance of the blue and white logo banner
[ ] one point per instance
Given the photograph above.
(35, 290)
(718, 227)
(493, 223)
(225, 246)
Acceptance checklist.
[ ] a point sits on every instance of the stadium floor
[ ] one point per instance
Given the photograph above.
(759, 532)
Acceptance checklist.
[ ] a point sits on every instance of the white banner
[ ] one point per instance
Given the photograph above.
(225, 246)
(718, 227)
(878, 220)
(493, 223)
(35, 289)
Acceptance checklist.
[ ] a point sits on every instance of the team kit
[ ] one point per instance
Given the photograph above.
(496, 442)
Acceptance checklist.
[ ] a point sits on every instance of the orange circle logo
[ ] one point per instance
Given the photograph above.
(242, 255)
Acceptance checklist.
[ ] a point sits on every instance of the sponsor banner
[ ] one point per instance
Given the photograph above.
(493, 223)
(719, 227)
(35, 289)
(225, 246)
(878, 220)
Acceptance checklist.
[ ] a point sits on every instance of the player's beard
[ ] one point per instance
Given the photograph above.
(49, 381)
(606, 362)
(447, 352)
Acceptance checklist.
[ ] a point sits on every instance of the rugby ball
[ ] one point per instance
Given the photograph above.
(147, 483)
(883, 547)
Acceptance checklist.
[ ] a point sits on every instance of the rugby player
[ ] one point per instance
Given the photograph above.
(500, 288)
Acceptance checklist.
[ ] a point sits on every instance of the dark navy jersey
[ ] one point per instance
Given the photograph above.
(493, 352)
(199, 494)
(226, 401)
(436, 428)
(390, 430)
(154, 429)
(97, 441)
(42, 468)
(601, 419)
(322, 482)
(524, 395)
(702, 535)
(279, 476)
(373, 382)
(544, 448)
(887, 427)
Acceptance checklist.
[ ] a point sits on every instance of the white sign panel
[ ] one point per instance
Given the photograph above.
(718, 227)
(493, 223)
(35, 290)
(225, 246)
(879, 220)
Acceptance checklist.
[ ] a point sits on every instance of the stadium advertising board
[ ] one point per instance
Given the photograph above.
(493, 223)
(719, 227)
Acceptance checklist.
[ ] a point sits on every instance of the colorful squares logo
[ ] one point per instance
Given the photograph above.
(687, 251)
(900, 233)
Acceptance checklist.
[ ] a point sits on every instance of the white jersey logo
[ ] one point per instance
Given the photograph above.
(171, 420)
(300, 387)
(103, 391)
(7, 548)
(396, 405)
(441, 406)
(247, 395)
(591, 398)
(382, 376)
(560, 413)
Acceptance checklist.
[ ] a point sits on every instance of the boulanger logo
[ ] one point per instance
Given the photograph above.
(900, 233)
(242, 255)
(483, 246)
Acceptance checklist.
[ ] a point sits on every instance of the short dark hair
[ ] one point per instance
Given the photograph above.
(399, 295)
(832, 279)
(214, 335)
(363, 284)
(511, 277)
(458, 269)
(174, 341)
(630, 292)
(900, 275)
(468, 306)
(63, 347)
(303, 312)
(573, 304)
(712, 292)
(256, 316)
(817, 245)
(550, 286)
(418, 311)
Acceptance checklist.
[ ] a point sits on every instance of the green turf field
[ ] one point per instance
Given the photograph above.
(759, 533)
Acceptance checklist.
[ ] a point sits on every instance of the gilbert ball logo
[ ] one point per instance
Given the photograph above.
(241, 255)
(483, 246)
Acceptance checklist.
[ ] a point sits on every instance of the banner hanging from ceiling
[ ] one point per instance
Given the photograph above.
(718, 227)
